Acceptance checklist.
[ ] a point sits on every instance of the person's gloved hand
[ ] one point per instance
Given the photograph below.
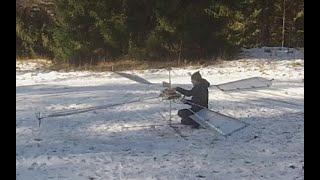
(176, 88)
(184, 101)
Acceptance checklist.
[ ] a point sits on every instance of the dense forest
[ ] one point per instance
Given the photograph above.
(82, 31)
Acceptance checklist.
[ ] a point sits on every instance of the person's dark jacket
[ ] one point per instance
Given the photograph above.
(199, 95)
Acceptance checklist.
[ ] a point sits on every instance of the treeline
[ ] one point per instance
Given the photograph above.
(89, 31)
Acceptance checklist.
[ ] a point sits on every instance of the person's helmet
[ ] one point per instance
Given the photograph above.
(196, 76)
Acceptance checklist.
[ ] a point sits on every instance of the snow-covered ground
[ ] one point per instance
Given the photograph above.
(120, 143)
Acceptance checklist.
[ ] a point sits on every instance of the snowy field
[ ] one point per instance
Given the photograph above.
(133, 141)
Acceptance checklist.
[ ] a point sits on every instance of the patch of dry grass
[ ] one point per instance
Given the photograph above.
(296, 64)
(127, 64)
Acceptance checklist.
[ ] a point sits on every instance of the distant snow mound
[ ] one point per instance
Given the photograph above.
(274, 53)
